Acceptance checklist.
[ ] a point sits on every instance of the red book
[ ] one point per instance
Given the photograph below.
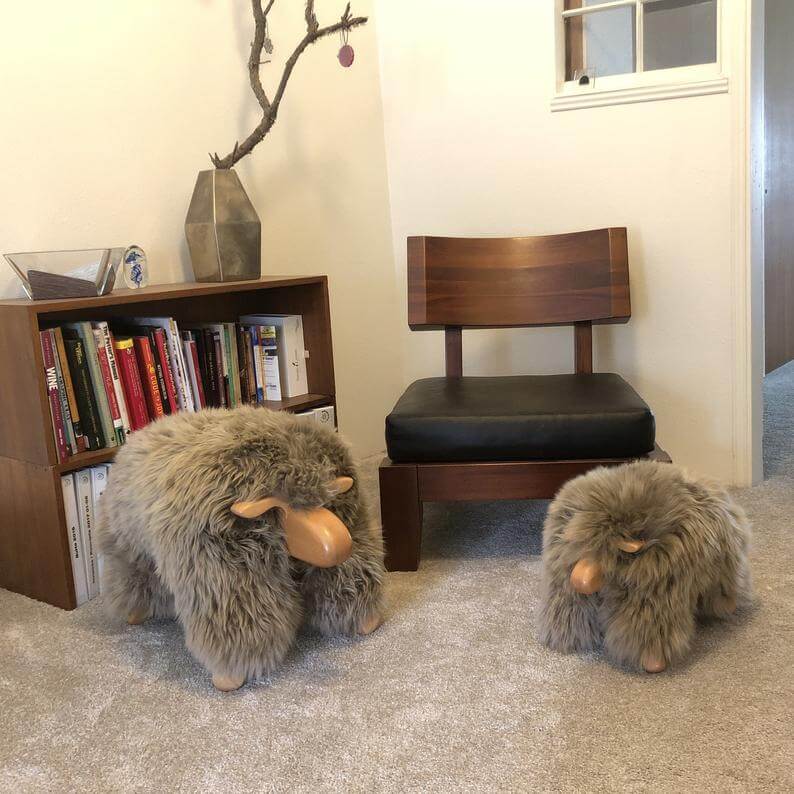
(143, 352)
(131, 383)
(195, 373)
(107, 382)
(54, 396)
(165, 364)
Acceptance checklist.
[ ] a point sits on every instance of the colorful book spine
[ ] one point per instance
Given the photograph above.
(220, 369)
(71, 439)
(85, 508)
(259, 374)
(181, 377)
(232, 377)
(86, 334)
(61, 446)
(242, 364)
(270, 363)
(89, 413)
(131, 383)
(158, 371)
(146, 366)
(107, 384)
(249, 362)
(165, 365)
(74, 409)
(118, 389)
(76, 551)
(191, 354)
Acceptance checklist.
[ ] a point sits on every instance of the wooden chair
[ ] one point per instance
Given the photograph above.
(460, 438)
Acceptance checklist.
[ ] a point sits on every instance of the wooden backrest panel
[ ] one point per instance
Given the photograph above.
(515, 281)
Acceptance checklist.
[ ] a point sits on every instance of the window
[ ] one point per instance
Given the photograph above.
(631, 50)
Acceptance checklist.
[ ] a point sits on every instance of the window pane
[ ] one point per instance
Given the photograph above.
(600, 40)
(679, 33)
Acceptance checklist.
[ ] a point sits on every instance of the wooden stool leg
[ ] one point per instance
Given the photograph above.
(401, 515)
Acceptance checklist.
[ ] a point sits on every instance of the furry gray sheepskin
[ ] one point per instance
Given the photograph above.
(173, 548)
(660, 548)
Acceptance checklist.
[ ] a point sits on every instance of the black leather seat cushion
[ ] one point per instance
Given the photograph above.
(544, 417)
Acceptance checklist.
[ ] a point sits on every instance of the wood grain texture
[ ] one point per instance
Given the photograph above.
(34, 547)
(779, 178)
(583, 347)
(518, 281)
(401, 515)
(34, 552)
(453, 351)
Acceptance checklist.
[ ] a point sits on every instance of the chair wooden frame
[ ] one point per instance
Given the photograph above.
(454, 283)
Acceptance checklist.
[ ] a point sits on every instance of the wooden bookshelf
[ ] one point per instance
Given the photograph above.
(34, 553)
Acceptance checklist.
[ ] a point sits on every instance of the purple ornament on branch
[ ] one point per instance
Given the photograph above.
(346, 55)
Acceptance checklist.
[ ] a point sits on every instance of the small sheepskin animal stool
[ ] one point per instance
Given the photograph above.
(632, 555)
(241, 524)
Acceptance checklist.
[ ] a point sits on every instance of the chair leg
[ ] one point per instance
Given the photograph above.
(401, 515)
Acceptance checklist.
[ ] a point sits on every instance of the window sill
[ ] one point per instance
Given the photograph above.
(572, 96)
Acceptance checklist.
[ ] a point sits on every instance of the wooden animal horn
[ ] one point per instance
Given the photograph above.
(630, 546)
(587, 577)
(257, 508)
(340, 485)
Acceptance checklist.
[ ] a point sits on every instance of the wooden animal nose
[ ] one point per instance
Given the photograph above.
(318, 537)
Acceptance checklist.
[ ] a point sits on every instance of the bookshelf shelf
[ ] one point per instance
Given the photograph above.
(34, 555)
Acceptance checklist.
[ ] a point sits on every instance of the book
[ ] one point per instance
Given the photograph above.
(270, 359)
(84, 392)
(324, 415)
(220, 368)
(146, 367)
(74, 409)
(159, 370)
(85, 511)
(165, 364)
(85, 332)
(131, 383)
(107, 384)
(292, 353)
(75, 538)
(191, 357)
(99, 481)
(230, 353)
(118, 389)
(71, 439)
(53, 395)
(256, 356)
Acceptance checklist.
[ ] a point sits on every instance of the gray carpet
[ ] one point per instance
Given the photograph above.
(453, 693)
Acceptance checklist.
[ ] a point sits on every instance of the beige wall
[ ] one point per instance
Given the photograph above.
(473, 148)
(109, 110)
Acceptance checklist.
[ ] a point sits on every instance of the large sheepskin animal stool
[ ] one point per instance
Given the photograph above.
(632, 555)
(241, 524)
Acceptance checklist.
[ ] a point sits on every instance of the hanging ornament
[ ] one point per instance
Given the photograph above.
(346, 54)
(268, 43)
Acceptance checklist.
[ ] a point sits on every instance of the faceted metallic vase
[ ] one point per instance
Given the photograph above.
(223, 231)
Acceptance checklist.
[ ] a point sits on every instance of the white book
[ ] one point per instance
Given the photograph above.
(325, 415)
(118, 390)
(192, 374)
(75, 539)
(270, 362)
(292, 353)
(85, 510)
(99, 481)
(176, 358)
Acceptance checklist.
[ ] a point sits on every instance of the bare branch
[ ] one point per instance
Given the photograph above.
(270, 109)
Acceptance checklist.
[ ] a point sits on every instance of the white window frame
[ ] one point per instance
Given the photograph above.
(637, 86)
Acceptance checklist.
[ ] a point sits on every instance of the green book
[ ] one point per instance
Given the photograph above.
(86, 335)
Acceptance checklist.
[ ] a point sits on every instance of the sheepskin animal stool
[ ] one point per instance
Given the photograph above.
(240, 523)
(632, 555)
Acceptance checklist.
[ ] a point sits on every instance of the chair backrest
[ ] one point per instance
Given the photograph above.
(491, 282)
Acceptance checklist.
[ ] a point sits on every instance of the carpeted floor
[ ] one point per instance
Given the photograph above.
(453, 693)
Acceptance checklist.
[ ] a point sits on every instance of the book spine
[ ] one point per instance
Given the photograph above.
(99, 481)
(89, 413)
(151, 389)
(230, 361)
(118, 389)
(97, 383)
(249, 364)
(107, 384)
(71, 439)
(191, 352)
(256, 348)
(184, 393)
(158, 371)
(222, 380)
(213, 397)
(168, 375)
(202, 372)
(75, 539)
(85, 509)
(271, 364)
(131, 383)
(74, 409)
(53, 396)
(242, 364)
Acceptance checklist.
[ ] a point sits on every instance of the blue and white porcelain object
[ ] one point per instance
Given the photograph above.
(136, 273)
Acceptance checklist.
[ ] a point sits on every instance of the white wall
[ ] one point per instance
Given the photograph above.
(109, 110)
(473, 149)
